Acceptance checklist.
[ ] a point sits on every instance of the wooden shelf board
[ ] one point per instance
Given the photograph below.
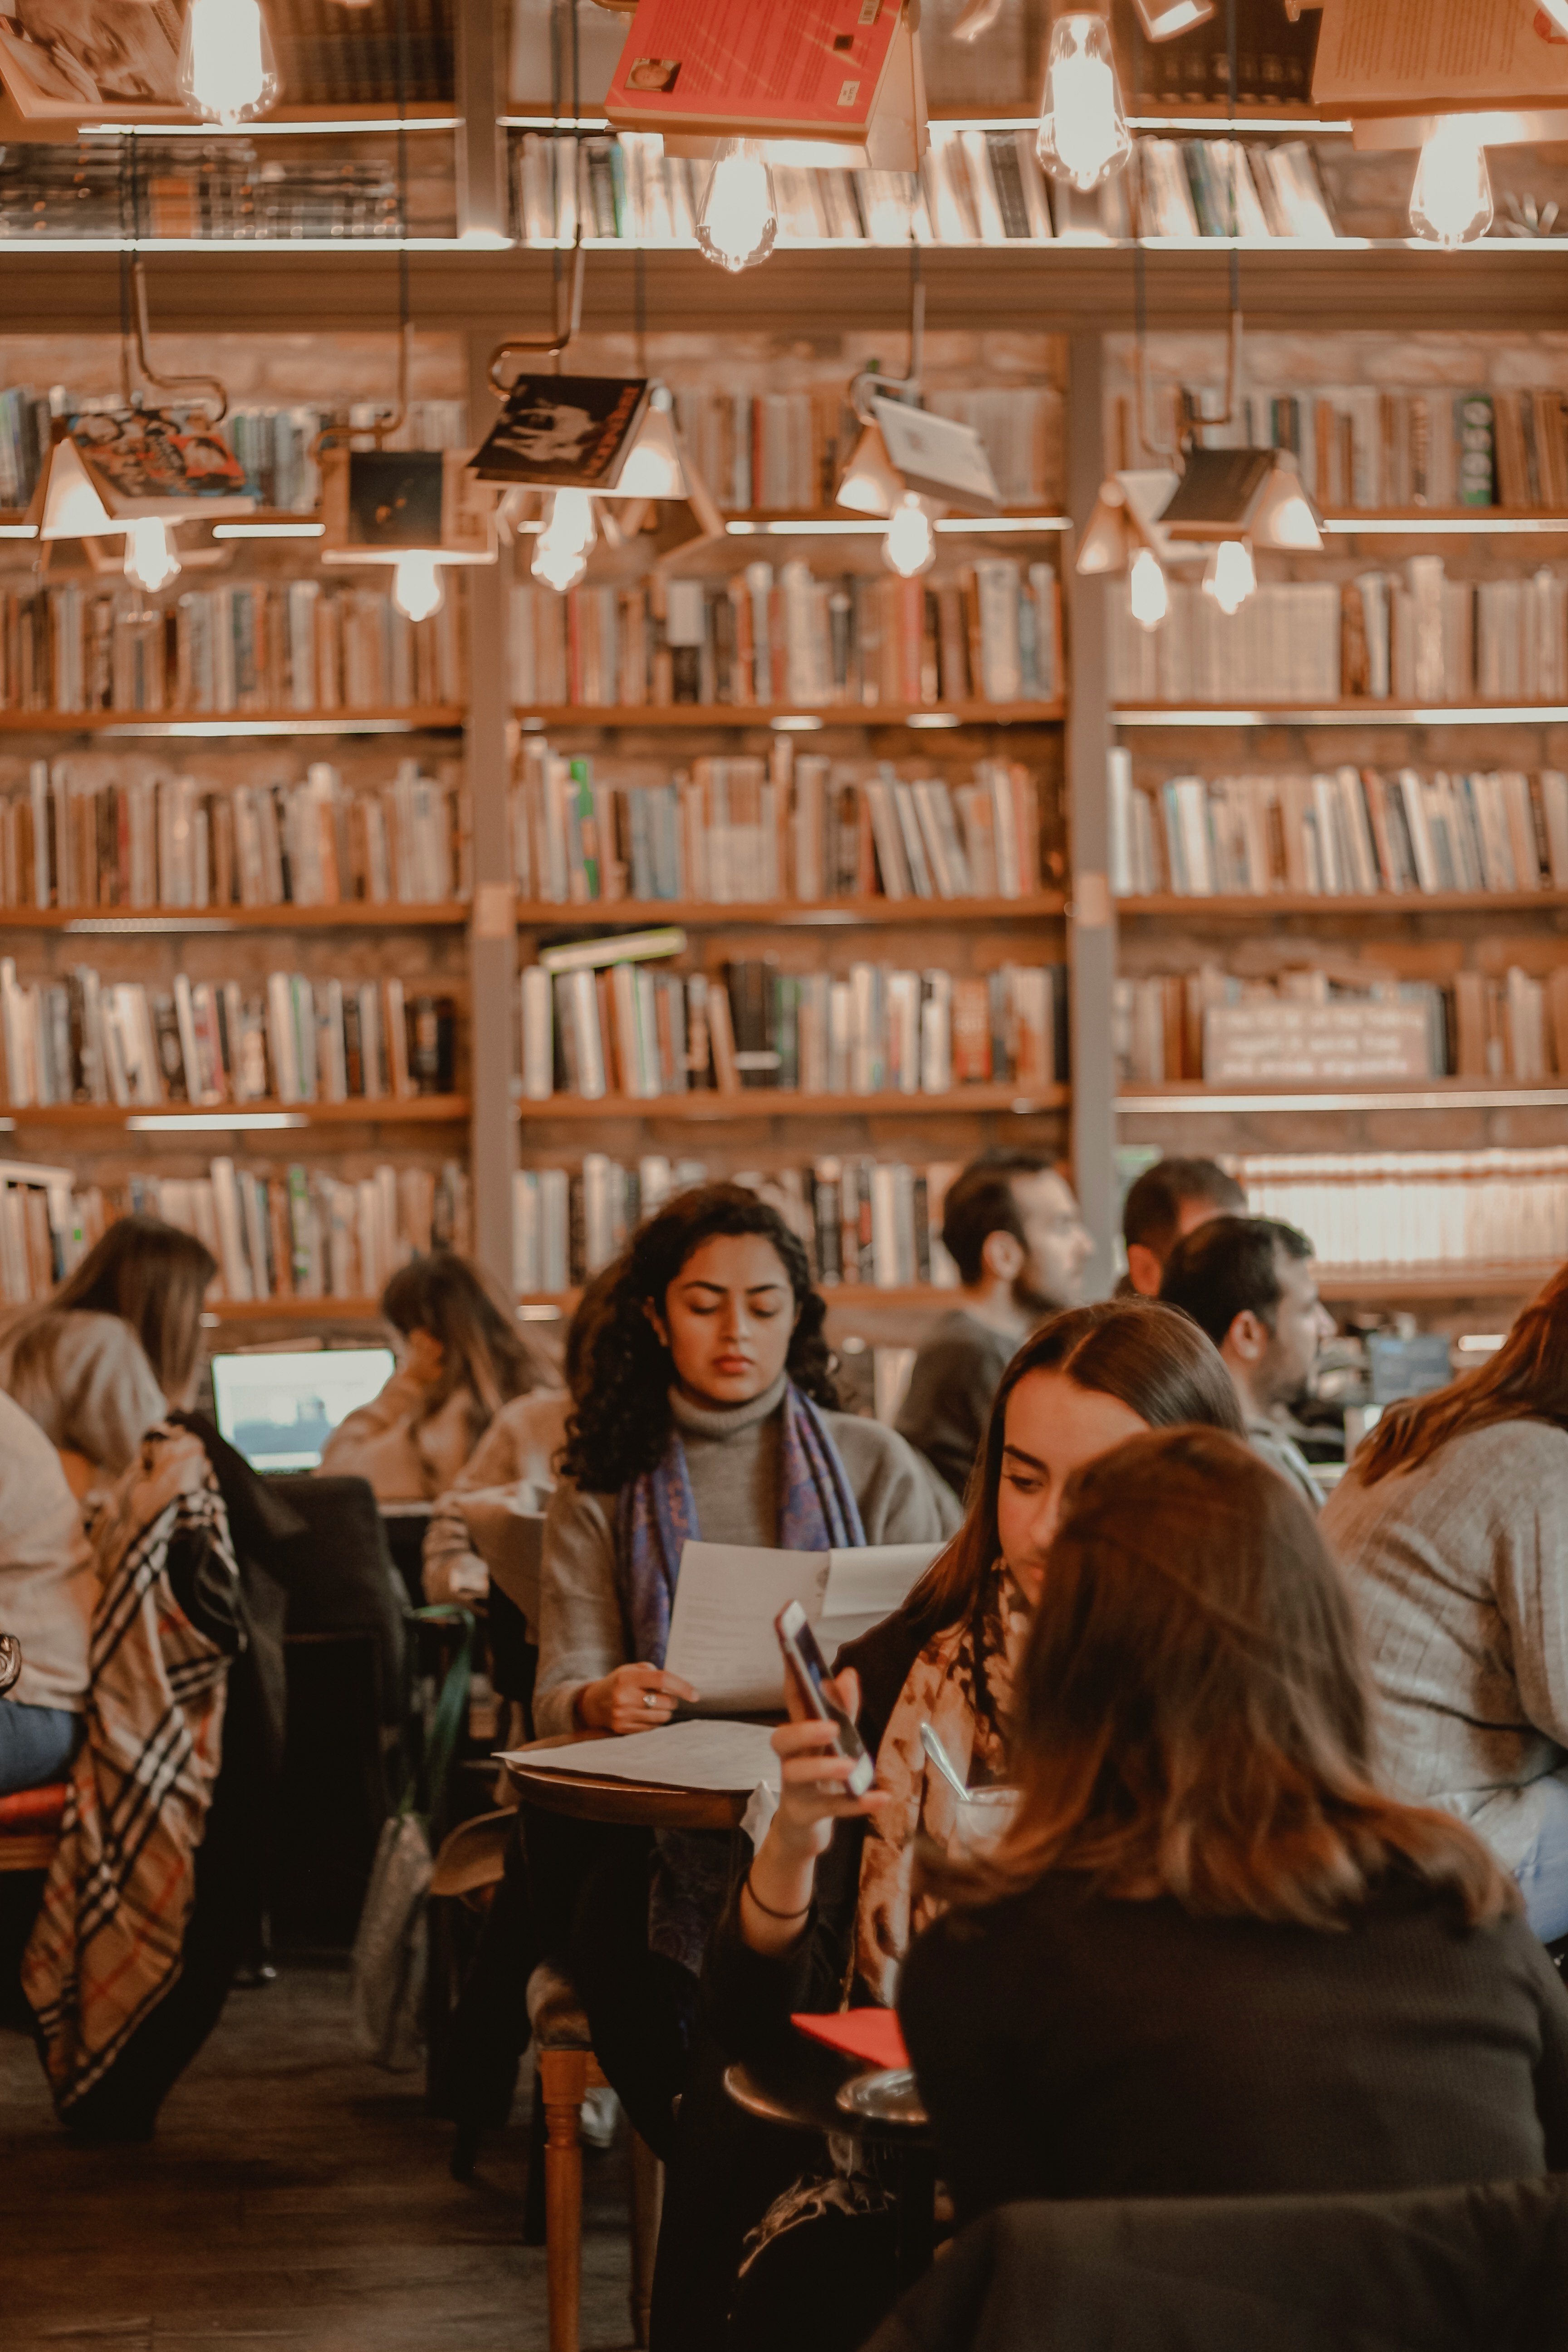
(419, 1110)
(1481, 1278)
(1346, 521)
(1264, 907)
(1339, 714)
(353, 915)
(764, 714)
(292, 1310)
(700, 914)
(1410, 1093)
(768, 1102)
(423, 718)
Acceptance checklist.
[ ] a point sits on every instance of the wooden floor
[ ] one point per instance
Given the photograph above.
(295, 2200)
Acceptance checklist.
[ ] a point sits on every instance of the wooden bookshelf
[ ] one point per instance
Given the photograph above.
(1414, 1286)
(1264, 906)
(778, 714)
(711, 1108)
(777, 915)
(416, 1110)
(427, 718)
(354, 914)
(1412, 1094)
(1341, 714)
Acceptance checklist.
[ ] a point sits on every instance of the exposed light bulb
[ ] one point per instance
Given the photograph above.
(1230, 578)
(1083, 135)
(909, 547)
(1451, 201)
(227, 71)
(416, 586)
(150, 561)
(1151, 597)
(738, 220)
(560, 550)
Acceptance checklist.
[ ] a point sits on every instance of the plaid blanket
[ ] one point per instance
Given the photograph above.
(107, 1945)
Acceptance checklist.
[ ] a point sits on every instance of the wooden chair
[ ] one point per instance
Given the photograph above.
(30, 1827)
(568, 2070)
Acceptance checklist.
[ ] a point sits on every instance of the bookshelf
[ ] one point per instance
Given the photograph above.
(786, 715)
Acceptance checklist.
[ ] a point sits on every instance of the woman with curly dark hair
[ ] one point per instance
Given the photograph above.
(708, 1411)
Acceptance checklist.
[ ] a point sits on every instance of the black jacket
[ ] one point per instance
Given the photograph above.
(1445, 2270)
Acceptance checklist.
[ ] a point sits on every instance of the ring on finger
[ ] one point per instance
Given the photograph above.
(651, 1698)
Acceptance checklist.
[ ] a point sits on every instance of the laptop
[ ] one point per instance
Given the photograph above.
(279, 1409)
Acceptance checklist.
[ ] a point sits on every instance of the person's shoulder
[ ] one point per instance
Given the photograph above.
(958, 1334)
(871, 1447)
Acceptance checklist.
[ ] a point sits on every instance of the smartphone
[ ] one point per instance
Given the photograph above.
(804, 1653)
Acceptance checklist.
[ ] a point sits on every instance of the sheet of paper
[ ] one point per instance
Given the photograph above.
(869, 1583)
(705, 1754)
(721, 1638)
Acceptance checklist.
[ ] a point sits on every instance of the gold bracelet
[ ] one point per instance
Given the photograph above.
(766, 1908)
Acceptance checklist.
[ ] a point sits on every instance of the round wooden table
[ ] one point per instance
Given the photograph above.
(586, 1796)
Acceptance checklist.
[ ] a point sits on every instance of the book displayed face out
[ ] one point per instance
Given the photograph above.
(730, 66)
(564, 432)
(148, 462)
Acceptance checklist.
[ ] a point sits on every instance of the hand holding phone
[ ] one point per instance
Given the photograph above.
(803, 1656)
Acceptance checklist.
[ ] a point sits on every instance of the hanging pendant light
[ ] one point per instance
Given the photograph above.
(737, 218)
(150, 561)
(1451, 202)
(1148, 590)
(1083, 136)
(227, 71)
(416, 586)
(562, 548)
(1229, 577)
(909, 547)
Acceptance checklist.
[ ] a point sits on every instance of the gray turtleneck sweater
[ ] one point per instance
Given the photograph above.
(733, 1461)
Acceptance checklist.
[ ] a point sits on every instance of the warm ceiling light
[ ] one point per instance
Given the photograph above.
(1083, 135)
(561, 550)
(909, 547)
(416, 586)
(872, 483)
(653, 467)
(227, 71)
(738, 219)
(1150, 596)
(150, 561)
(1451, 202)
(1230, 578)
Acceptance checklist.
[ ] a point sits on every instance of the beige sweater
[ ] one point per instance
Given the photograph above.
(91, 1390)
(733, 1461)
(405, 1463)
(49, 1582)
(515, 1457)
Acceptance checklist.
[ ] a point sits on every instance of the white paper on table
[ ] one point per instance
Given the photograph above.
(706, 1753)
(722, 1637)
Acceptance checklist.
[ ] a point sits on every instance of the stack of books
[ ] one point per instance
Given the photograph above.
(742, 832)
(184, 188)
(249, 649)
(100, 832)
(991, 634)
(1417, 1208)
(1346, 832)
(866, 1224)
(782, 452)
(294, 1233)
(84, 1039)
(1231, 187)
(1410, 636)
(623, 1029)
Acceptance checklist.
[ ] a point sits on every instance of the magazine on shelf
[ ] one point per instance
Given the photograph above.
(144, 461)
(564, 432)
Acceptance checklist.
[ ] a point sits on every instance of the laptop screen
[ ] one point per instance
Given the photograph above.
(279, 1410)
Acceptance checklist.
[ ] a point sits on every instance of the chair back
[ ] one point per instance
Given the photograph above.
(341, 1579)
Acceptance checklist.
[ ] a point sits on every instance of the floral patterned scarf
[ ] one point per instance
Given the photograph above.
(962, 1684)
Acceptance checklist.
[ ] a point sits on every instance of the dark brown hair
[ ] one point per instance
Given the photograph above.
(487, 1354)
(1151, 1211)
(1193, 1714)
(1152, 1360)
(1526, 1380)
(151, 1276)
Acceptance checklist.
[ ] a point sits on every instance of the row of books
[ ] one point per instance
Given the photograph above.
(297, 1233)
(1417, 1208)
(745, 831)
(185, 189)
(1360, 447)
(780, 452)
(1231, 187)
(100, 831)
(1346, 832)
(84, 1039)
(991, 634)
(625, 1029)
(276, 445)
(974, 187)
(864, 1221)
(256, 648)
(1507, 1026)
(1408, 637)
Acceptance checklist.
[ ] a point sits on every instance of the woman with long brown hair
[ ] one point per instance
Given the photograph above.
(461, 1358)
(827, 1903)
(1452, 1527)
(1212, 1956)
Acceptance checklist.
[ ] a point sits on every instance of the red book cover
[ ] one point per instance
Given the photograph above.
(869, 2033)
(701, 66)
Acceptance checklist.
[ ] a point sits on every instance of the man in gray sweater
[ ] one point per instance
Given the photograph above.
(1012, 1228)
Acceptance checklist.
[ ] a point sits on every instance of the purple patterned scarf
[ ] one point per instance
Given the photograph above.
(656, 1518)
